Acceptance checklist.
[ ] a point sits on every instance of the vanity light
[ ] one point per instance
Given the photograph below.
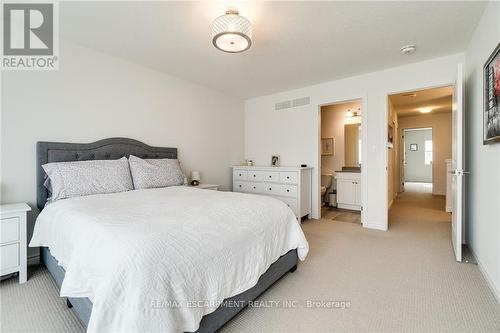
(349, 114)
(425, 110)
(231, 32)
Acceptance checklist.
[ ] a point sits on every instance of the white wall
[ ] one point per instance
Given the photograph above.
(293, 133)
(95, 96)
(441, 137)
(483, 161)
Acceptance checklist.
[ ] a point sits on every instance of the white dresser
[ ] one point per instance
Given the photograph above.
(348, 190)
(292, 185)
(13, 239)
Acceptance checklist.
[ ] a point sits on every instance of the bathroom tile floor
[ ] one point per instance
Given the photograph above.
(340, 215)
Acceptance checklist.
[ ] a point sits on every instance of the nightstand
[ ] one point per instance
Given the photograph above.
(207, 186)
(13, 239)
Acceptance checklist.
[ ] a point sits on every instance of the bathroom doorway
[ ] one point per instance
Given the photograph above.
(340, 161)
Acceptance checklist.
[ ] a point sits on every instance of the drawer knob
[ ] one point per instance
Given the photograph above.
(240, 174)
(269, 176)
(287, 177)
(269, 189)
(240, 185)
(254, 175)
(254, 187)
(288, 190)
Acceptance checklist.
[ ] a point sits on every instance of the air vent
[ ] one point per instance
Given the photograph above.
(283, 105)
(293, 103)
(301, 101)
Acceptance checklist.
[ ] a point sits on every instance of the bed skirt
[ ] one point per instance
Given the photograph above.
(210, 322)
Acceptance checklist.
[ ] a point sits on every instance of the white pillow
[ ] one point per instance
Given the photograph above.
(152, 173)
(73, 179)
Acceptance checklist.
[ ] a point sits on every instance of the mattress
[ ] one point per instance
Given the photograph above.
(161, 259)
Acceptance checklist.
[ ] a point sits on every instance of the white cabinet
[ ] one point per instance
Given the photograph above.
(349, 190)
(292, 185)
(13, 240)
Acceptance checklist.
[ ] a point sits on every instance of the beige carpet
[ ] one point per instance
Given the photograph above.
(403, 280)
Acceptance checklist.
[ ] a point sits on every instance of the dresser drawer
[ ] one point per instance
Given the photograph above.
(269, 188)
(9, 230)
(240, 187)
(287, 190)
(240, 174)
(290, 202)
(270, 176)
(255, 175)
(9, 256)
(289, 177)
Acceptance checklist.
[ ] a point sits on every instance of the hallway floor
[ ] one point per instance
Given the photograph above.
(402, 280)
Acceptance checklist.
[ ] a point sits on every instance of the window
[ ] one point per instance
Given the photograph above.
(428, 152)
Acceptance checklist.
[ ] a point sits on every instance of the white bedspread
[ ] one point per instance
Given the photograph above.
(149, 258)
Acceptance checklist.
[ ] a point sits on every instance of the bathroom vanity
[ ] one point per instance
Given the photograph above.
(349, 189)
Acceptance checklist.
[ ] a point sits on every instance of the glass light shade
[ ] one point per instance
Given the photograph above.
(231, 32)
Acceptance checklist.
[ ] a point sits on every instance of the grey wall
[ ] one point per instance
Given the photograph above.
(415, 168)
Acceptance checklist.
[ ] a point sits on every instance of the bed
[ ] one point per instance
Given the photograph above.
(115, 148)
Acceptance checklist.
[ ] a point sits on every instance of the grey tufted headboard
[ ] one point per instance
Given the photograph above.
(107, 149)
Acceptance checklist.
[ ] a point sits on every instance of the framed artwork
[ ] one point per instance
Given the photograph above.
(275, 160)
(327, 146)
(491, 112)
(413, 146)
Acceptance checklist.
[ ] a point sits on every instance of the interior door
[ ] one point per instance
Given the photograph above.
(457, 165)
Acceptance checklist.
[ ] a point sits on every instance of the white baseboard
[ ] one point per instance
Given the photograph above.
(487, 277)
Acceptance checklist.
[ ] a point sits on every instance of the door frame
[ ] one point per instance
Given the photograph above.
(433, 150)
(386, 156)
(364, 150)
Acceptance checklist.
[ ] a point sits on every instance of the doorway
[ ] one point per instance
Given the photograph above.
(418, 156)
(340, 157)
(421, 124)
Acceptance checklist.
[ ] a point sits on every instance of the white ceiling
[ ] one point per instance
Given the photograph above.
(295, 43)
(409, 103)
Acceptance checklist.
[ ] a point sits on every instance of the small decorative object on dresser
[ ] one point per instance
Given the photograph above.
(195, 178)
(13, 239)
(275, 160)
(292, 185)
(214, 187)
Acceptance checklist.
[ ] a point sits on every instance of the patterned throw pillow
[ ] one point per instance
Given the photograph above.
(151, 173)
(73, 179)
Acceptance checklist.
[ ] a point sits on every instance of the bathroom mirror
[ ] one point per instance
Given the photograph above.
(352, 142)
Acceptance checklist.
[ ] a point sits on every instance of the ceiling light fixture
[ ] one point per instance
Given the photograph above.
(408, 49)
(231, 32)
(425, 110)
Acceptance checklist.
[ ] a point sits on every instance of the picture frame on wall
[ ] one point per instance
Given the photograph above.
(327, 146)
(491, 105)
(275, 160)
